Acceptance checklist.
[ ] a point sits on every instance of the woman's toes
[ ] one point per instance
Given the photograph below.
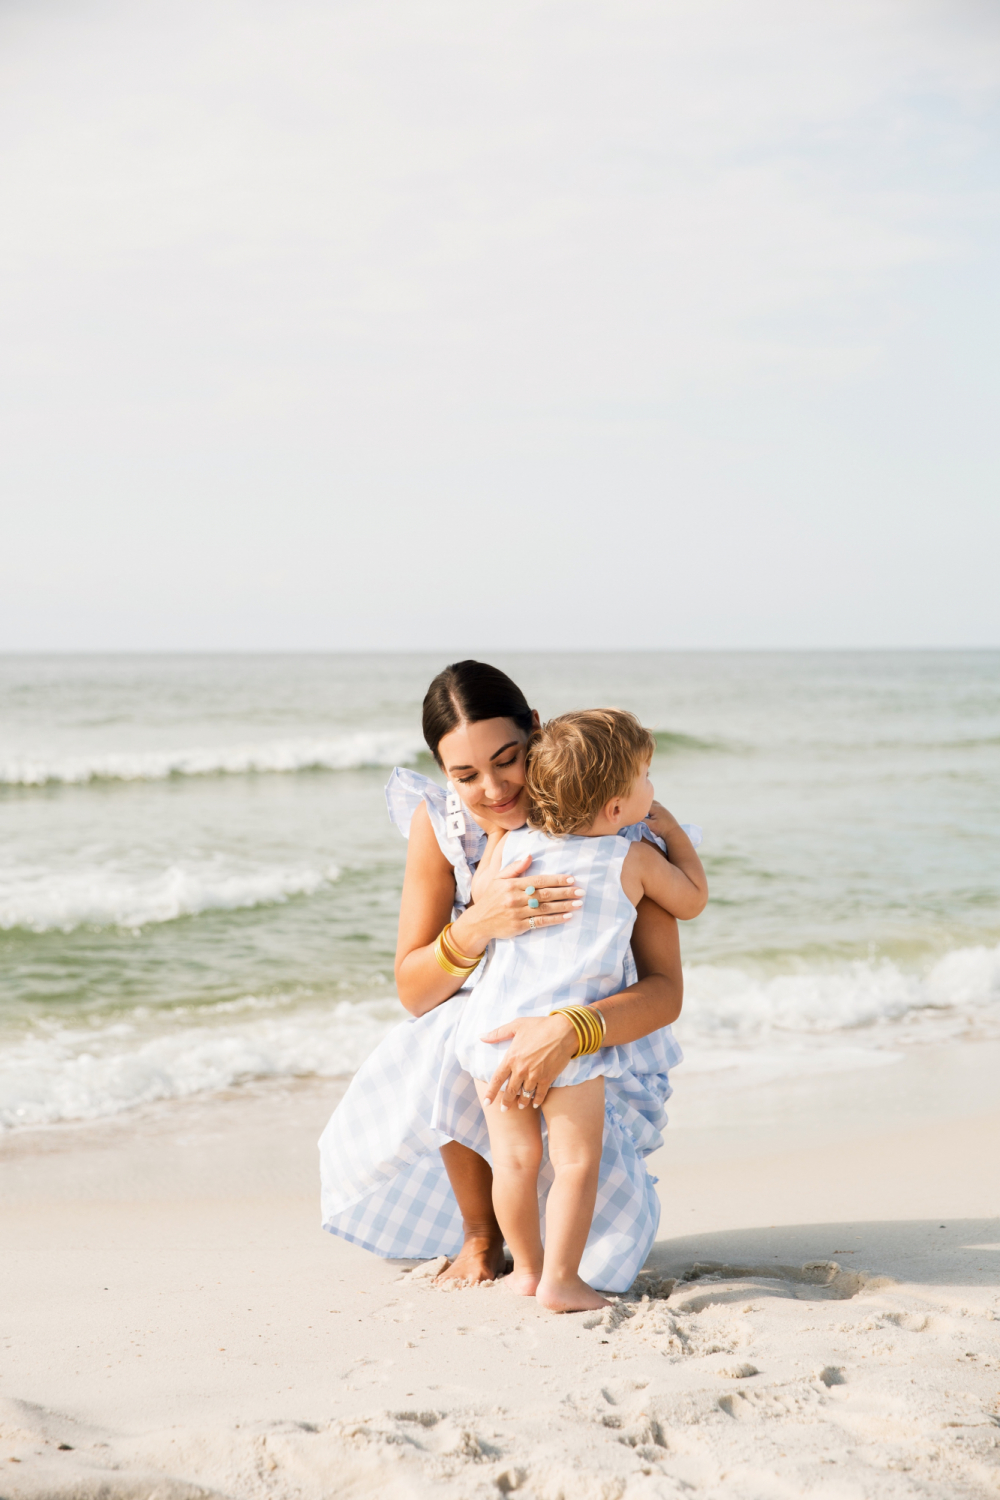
(475, 1263)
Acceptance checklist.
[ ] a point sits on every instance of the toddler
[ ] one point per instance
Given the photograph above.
(588, 777)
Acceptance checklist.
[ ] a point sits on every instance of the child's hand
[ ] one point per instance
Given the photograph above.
(660, 821)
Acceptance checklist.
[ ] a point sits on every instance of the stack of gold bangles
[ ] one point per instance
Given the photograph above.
(589, 1025)
(451, 961)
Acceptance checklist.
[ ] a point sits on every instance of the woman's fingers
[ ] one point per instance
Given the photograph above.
(541, 883)
(518, 1087)
(509, 1091)
(557, 895)
(506, 1087)
(541, 1089)
(556, 890)
(529, 1088)
(541, 1047)
(549, 887)
(567, 898)
(500, 1034)
(496, 1083)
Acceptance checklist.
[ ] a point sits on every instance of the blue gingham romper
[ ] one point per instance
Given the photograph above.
(384, 1185)
(571, 963)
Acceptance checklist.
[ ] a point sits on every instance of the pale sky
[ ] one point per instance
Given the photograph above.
(450, 325)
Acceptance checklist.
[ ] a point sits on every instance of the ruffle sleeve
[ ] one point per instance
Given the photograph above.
(404, 792)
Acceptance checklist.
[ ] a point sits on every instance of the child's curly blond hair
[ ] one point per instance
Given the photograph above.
(579, 762)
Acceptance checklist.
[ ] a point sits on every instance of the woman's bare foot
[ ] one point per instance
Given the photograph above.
(522, 1283)
(568, 1294)
(480, 1259)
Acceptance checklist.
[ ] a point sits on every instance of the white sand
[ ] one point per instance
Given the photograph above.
(172, 1313)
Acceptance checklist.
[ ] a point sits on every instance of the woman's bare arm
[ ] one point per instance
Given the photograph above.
(428, 898)
(657, 998)
(541, 1046)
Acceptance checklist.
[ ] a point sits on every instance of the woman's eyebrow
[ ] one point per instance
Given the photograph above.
(492, 757)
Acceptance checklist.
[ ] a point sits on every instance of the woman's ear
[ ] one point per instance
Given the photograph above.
(536, 720)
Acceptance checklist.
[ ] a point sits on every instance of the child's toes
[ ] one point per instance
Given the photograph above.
(522, 1283)
(562, 1297)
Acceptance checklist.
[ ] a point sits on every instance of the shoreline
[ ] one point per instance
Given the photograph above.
(176, 1317)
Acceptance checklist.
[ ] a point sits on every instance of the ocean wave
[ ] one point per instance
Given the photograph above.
(744, 1030)
(76, 1075)
(343, 753)
(671, 740)
(725, 1006)
(42, 901)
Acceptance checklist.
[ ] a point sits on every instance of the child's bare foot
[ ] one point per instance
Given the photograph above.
(522, 1283)
(480, 1259)
(568, 1294)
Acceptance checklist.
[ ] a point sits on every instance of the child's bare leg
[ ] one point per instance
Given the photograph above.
(516, 1147)
(574, 1118)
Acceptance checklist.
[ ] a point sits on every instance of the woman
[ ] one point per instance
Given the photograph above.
(405, 1156)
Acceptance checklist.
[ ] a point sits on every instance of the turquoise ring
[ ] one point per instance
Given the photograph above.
(529, 890)
(533, 903)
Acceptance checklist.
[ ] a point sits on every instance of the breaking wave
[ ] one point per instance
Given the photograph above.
(731, 1006)
(45, 901)
(343, 753)
(753, 1029)
(86, 1074)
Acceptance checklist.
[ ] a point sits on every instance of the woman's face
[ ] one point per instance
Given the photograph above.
(485, 764)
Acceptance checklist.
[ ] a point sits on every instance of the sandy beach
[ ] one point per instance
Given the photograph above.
(820, 1314)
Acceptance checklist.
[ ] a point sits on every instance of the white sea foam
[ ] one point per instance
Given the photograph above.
(85, 1074)
(743, 1029)
(342, 753)
(726, 1006)
(44, 900)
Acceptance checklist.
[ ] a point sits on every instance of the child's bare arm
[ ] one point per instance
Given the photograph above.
(646, 873)
(681, 853)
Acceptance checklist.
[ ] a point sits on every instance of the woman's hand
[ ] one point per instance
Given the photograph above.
(541, 1046)
(501, 901)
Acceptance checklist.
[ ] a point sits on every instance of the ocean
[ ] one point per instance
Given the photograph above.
(199, 882)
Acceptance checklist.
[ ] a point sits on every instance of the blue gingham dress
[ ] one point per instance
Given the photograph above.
(572, 963)
(384, 1185)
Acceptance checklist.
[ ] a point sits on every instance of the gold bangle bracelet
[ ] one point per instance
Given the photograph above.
(444, 958)
(591, 1032)
(461, 959)
(447, 965)
(588, 1024)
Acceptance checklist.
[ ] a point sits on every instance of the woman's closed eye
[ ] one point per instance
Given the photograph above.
(501, 765)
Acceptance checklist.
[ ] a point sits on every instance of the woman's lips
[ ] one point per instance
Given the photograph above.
(502, 807)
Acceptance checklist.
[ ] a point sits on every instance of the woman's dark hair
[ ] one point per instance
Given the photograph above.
(466, 693)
